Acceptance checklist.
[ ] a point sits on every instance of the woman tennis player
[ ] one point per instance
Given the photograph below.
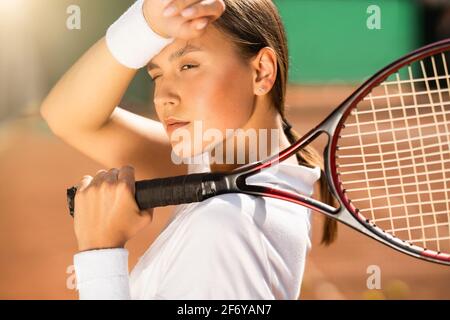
(220, 63)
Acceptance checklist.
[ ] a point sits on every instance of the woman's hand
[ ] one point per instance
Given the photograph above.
(106, 213)
(177, 24)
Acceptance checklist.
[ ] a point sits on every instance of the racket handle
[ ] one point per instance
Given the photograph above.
(170, 191)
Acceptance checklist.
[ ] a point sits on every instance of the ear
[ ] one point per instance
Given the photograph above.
(265, 70)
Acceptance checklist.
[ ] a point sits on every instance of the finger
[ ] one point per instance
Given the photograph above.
(191, 28)
(99, 177)
(205, 8)
(200, 24)
(111, 176)
(85, 182)
(126, 175)
(176, 6)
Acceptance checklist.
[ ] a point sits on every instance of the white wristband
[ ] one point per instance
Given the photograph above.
(131, 40)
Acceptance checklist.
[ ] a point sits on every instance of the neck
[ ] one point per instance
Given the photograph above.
(260, 138)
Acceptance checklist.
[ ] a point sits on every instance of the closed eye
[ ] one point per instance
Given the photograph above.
(154, 78)
(191, 66)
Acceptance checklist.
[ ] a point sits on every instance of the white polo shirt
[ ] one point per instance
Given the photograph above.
(232, 246)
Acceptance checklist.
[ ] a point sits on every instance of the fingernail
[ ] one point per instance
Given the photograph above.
(165, 1)
(201, 25)
(188, 12)
(169, 11)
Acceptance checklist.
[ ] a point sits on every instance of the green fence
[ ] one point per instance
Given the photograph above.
(329, 40)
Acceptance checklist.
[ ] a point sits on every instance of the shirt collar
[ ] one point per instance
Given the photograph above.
(295, 178)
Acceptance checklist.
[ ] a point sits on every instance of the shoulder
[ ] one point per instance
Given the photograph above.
(234, 241)
(223, 215)
(216, 235)
(219, 255)
(241, 212)
(237, 219)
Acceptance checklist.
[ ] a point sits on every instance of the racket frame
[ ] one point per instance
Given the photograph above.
(332, 126)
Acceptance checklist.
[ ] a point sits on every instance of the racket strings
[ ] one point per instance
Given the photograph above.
(407, 95)
(393, 156)
(400, 140)
(343, 156)
(396, 168)
(393, 185)
(397, 119)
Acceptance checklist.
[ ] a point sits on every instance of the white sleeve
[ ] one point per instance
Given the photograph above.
(102, 274)
(220, 256)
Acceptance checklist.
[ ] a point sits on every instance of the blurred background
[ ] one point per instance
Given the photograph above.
(332, 51)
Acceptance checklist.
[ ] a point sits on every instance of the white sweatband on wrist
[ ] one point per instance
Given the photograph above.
(131, 40)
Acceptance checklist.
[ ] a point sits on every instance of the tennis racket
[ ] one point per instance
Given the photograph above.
(387, 160)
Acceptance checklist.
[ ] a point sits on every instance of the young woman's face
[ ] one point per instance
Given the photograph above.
(209, 86)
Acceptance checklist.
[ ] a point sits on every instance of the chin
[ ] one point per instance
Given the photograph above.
(185, 151)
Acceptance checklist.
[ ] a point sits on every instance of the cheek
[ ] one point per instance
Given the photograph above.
(224, 100)
(159, 110)
(219, 100)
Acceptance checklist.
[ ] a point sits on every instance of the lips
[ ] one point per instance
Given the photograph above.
(173, 124)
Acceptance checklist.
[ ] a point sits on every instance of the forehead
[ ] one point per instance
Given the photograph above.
(212, 42)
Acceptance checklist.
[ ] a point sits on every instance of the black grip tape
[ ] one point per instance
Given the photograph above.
(170, 191)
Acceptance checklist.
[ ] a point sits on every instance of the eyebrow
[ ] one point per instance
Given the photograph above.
(176, 55)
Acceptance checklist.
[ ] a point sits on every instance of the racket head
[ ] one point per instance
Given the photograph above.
(388, 149)
(350, 211)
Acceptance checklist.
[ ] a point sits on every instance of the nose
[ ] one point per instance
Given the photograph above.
(165, 96)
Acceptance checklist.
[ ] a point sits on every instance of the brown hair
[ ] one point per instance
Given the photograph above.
(253, 25)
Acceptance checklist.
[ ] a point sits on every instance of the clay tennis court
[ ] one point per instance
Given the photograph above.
(37, 242)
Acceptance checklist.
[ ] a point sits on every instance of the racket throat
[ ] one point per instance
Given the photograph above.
(215, 184)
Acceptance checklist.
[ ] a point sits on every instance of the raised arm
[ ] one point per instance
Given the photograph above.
(82, 108)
